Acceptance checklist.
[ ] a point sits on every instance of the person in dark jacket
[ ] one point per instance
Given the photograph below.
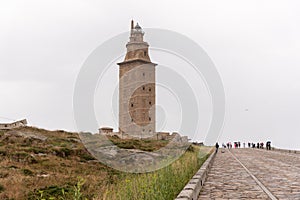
(217, 147)
(268, 145)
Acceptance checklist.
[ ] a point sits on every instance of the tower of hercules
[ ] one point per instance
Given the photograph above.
(137, 87)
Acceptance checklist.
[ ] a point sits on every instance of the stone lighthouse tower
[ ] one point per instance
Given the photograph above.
(137, 88)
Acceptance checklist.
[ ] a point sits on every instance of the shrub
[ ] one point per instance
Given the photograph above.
(49, 192)
(3, 174)
(27, 172)
(60, 142)
(191, 148)
(1, 188)
(37, 150)
(1, 133)
(13, 167)
(23, 157)
(3, 153)
(59, 192)
(63, 152)
(86, 157)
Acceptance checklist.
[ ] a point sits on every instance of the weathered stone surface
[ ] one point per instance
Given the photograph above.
(277, 171)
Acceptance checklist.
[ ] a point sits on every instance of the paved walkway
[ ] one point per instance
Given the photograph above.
(253, 174)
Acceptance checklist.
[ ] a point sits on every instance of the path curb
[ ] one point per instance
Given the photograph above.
(286, 150)
(193, 187)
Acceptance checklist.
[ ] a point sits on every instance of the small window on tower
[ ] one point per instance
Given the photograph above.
(143, 87)
(143, 74)
(150, 103)
(145, 53)
(149, 89)
(132, 105)
(131, 119)
(149, 118)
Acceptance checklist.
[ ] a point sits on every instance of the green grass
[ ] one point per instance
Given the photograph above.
(163, 184)
(145, 145)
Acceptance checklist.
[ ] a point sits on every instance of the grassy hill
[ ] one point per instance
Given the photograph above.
(40, 164)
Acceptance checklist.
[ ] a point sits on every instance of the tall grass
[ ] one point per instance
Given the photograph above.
(163, 184)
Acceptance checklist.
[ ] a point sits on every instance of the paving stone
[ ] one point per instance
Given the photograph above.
(277, 171)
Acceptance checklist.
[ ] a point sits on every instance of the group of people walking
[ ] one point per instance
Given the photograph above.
(258, 145)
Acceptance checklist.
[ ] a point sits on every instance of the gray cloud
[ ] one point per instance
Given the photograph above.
(254, 44)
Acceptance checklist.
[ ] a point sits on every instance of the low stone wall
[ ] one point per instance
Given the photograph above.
(192, 189)
(286, 150)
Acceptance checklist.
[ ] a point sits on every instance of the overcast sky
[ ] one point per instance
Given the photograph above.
(254, 44)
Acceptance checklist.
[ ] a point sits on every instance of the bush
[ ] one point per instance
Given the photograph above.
(3, 174)
(36, 150)
(59, 192)
(86, 157)
(23, 157)
(63, 152)
(191, 148)
(60, 142)
(3, 153)
(27, 172)
(50, 192)
(1, 133)
(1, 188)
